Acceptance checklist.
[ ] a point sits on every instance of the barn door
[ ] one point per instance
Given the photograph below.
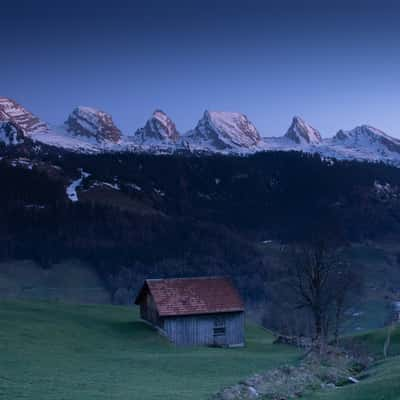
(219, 331)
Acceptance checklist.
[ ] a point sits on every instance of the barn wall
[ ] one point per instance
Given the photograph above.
(199, 329)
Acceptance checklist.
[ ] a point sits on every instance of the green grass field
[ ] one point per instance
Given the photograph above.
(381, 382)
(54, 351)
(59, 351)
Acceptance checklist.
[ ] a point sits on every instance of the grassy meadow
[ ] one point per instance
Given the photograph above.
(55, 351)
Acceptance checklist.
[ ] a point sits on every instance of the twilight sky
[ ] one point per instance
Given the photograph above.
(334, 62)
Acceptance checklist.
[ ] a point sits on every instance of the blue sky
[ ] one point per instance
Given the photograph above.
(335, 63)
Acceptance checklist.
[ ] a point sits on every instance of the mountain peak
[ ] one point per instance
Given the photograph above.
(93, 123)
(298, 119)
(303, 133)
(369, 138)
(360, 131)
(159, 128)
(225, 130)
(22, 119)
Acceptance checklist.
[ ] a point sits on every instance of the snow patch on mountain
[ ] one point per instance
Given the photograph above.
(59, 136)
(71, 189)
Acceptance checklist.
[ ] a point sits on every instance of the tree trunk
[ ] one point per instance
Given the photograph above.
(338, 315)
(319, 336)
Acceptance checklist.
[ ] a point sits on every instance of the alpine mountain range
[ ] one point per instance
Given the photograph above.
(89, 130)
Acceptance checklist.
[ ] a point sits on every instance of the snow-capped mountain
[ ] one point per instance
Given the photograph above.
(93, 123)
(22, 119)
(301, 132)
(158, 129)
(219, 130)
(363, 143)
(88, 130)
(366, 136)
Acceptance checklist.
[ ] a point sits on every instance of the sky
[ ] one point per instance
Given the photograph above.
(335, 63)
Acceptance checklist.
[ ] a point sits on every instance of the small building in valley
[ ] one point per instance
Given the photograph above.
(194, 311)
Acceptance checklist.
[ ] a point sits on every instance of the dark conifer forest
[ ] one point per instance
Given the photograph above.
(178, 215)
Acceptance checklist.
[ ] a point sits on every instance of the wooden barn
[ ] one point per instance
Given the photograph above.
(194, 311)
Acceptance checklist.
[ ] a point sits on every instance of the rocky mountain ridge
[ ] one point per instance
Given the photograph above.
(92, 123)
(88, 130)
(159, 128)
(221, 130)
(11, 111)
(303, 133)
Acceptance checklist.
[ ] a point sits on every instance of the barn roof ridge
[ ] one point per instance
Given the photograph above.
(189, 278)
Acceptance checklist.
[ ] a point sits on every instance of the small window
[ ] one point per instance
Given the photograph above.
(219, 326)
(219, 331)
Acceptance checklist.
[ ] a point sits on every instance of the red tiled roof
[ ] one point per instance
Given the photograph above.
(188, 296)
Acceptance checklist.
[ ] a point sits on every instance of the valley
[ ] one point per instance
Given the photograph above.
(86, 219)
(200, 200)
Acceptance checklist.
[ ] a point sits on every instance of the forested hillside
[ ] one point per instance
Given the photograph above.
(141, 215)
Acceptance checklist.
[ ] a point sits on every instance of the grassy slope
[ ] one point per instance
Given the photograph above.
(378, 265)
(380, 382)
(58, 351)
(372, 342)
(68, 281)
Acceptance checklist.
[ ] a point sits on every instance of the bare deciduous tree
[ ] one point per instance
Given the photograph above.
(322, 284)
(310, 268)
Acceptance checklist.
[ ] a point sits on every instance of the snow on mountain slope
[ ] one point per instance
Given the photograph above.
(86, 130)
(59, 136)
(302, 133)
(368, 138)
(11, 111)
(362, 143)
(158, 129)
(224, 131)
(92, 123)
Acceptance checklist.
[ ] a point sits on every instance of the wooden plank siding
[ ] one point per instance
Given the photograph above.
(199, 329)
(148, 311)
